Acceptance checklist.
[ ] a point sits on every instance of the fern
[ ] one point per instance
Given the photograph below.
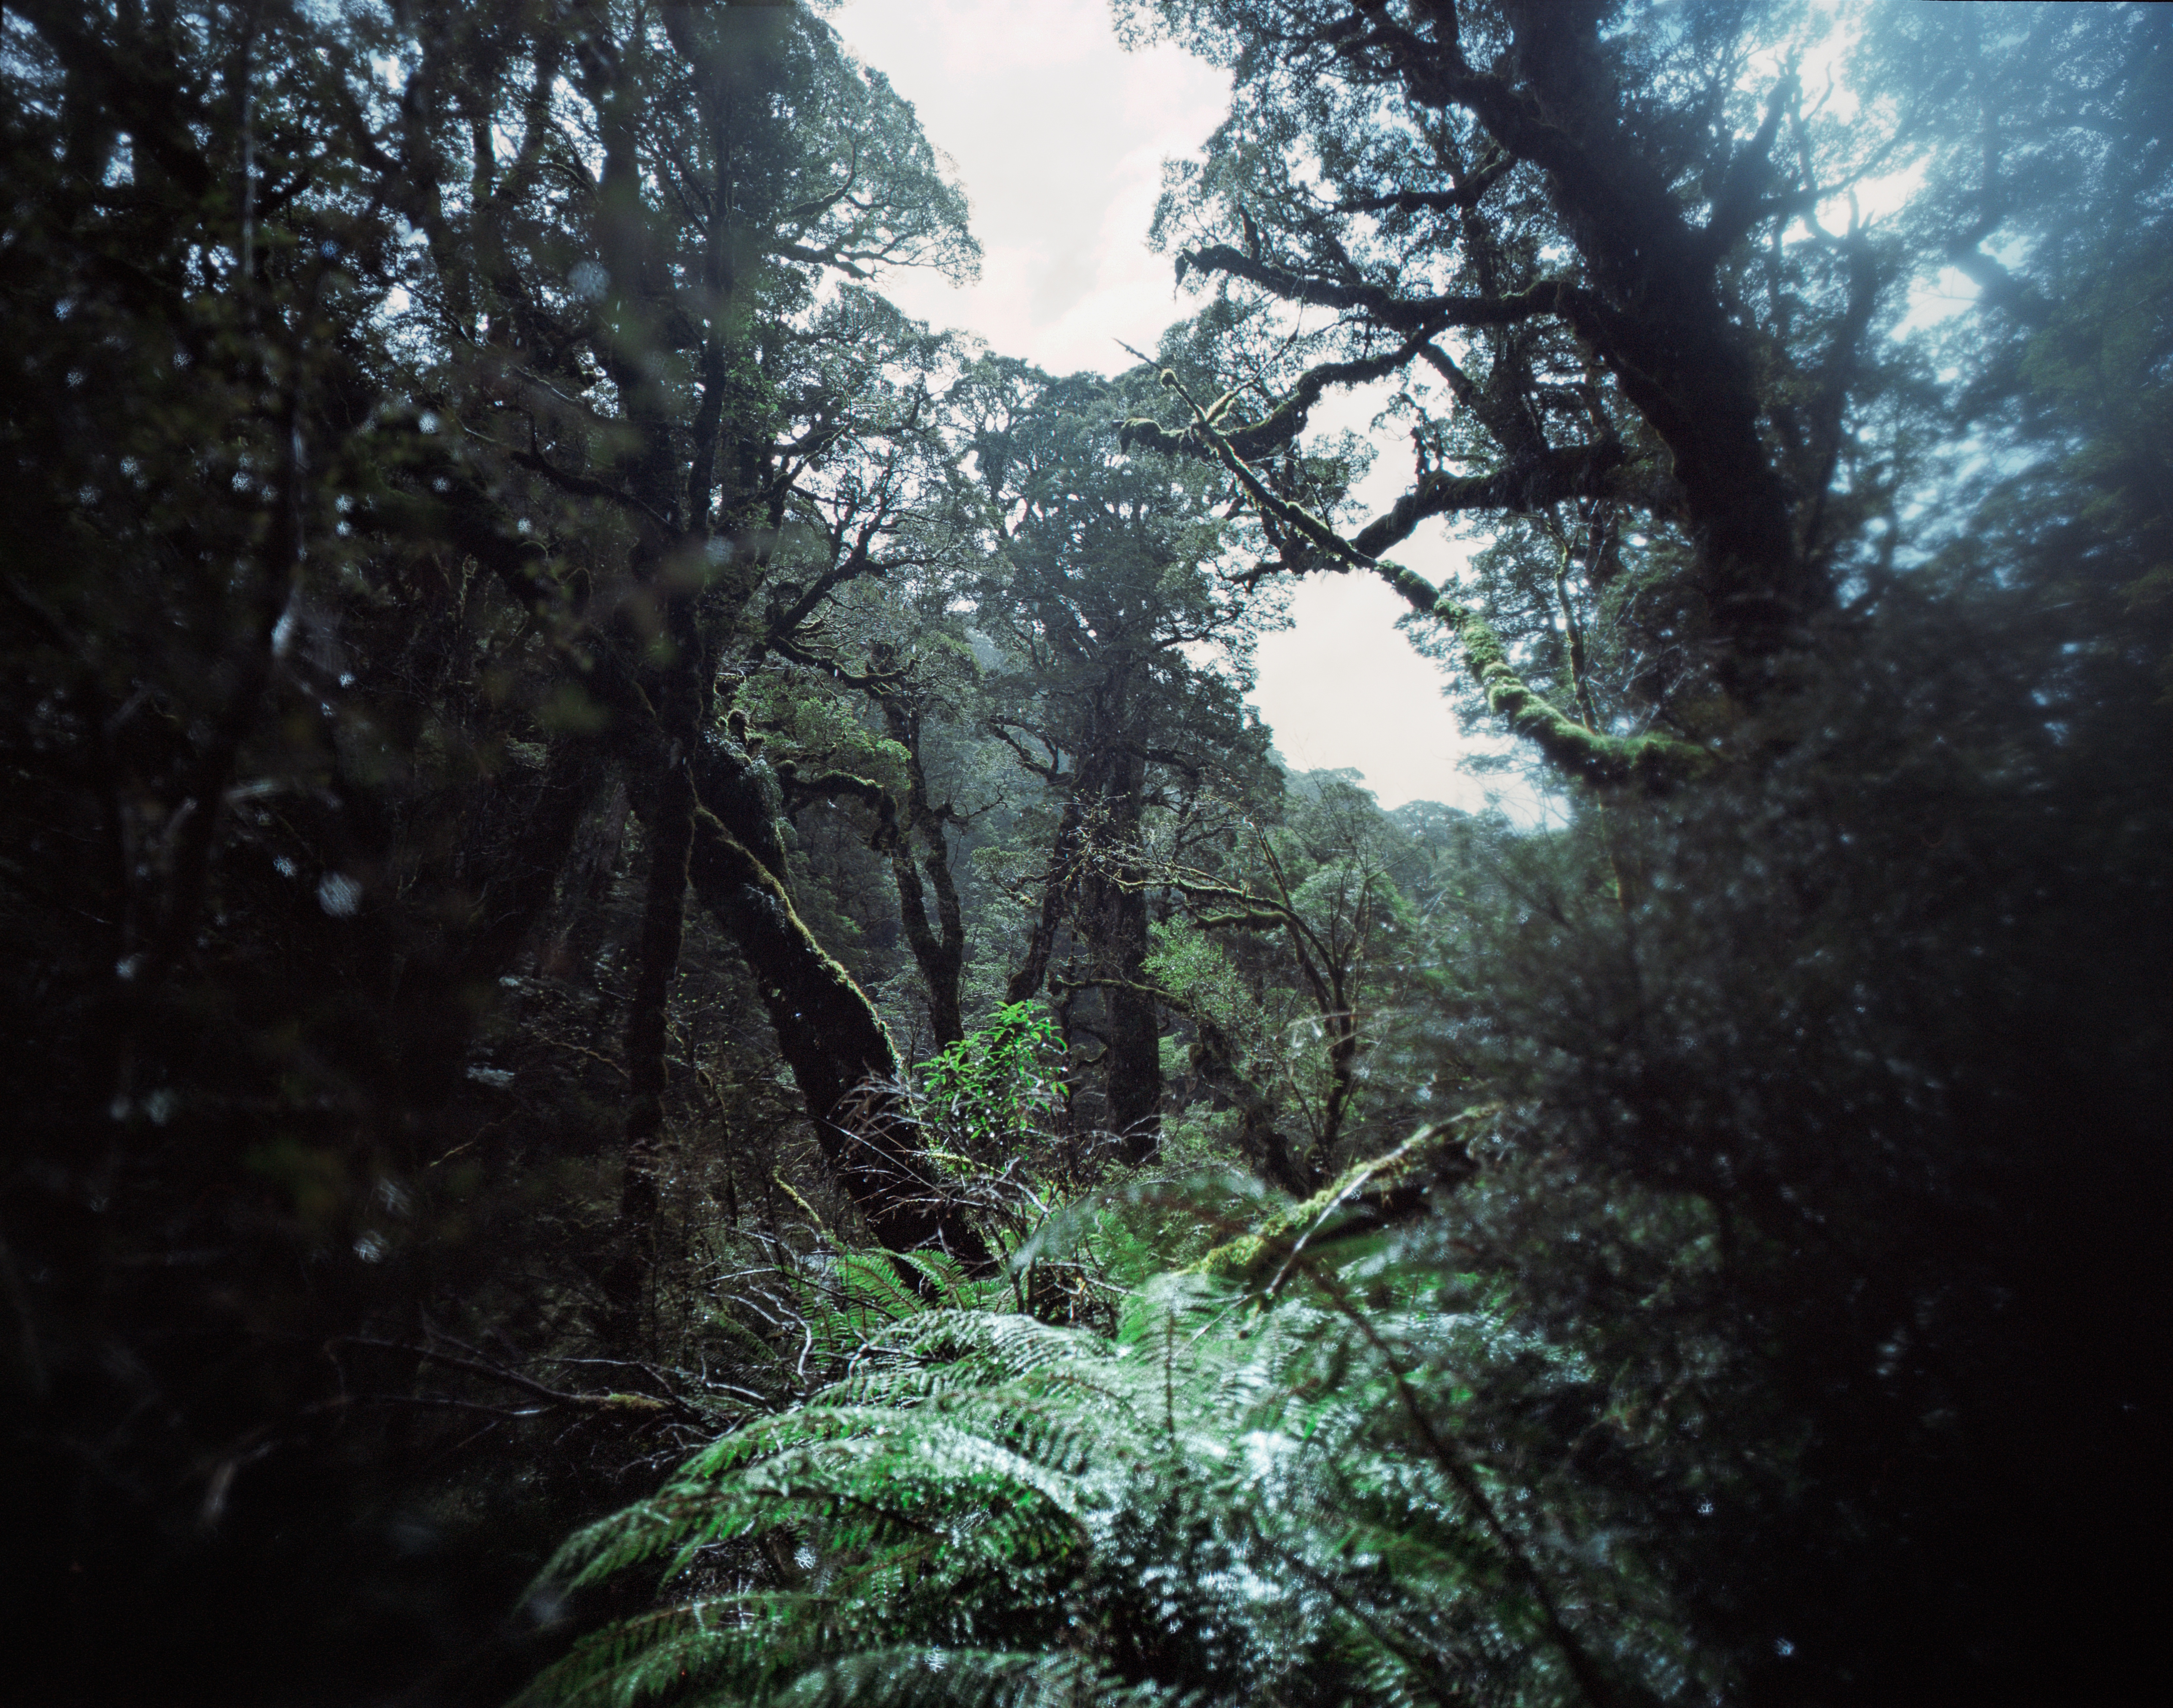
(1257, 1490)
(963, 1679)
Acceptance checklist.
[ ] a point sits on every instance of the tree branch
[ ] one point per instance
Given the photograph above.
(1652, 760)
(1410, 315)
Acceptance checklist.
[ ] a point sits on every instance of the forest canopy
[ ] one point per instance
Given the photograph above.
(671, 1034)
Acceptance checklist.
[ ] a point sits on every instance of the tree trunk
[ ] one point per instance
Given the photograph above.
(940, 951)
(512, 864)
(1056, 890)
(840, 1054)
(1214, 1056)
(1113, 916)
(1660, 323)
(663, 928)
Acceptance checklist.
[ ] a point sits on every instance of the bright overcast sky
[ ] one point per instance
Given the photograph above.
(1059, 137)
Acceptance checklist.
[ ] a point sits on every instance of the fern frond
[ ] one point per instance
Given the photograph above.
(997, 1346)
(922, 1678)
(654, 1655)
(945, 1275)
(646, 1531)
(1223, 1201)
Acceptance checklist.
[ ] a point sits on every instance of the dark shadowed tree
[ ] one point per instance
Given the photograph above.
(1857, 601)
(1104, 599)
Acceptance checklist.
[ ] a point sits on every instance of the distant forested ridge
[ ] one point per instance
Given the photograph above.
(671, 1036)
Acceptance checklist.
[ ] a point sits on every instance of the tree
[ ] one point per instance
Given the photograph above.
(413, 412)
(1102, 594)
(469, 497)
(1742, 590)
(1284, 1036)
(1572, 287)
(716, 186)
(223, 1044)
(897, 550)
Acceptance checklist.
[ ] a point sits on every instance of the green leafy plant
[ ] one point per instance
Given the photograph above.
(993, 1086)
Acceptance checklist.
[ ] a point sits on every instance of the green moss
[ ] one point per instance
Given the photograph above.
(1365, 1197)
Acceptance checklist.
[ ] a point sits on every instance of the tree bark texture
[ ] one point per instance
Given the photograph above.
(841, 1055)
(1114, 913)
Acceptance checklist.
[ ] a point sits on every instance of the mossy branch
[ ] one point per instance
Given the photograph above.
(1287, 419)
(800, 788)
(1650, 760)
(1367, 1196)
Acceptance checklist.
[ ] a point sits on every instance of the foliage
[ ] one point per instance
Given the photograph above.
(532, 691)
(995, 1085)
(1238, 1497)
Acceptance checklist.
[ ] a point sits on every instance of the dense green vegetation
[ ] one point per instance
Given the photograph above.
(638, 901)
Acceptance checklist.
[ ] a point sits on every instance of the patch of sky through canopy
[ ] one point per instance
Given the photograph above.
(1059, 136)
